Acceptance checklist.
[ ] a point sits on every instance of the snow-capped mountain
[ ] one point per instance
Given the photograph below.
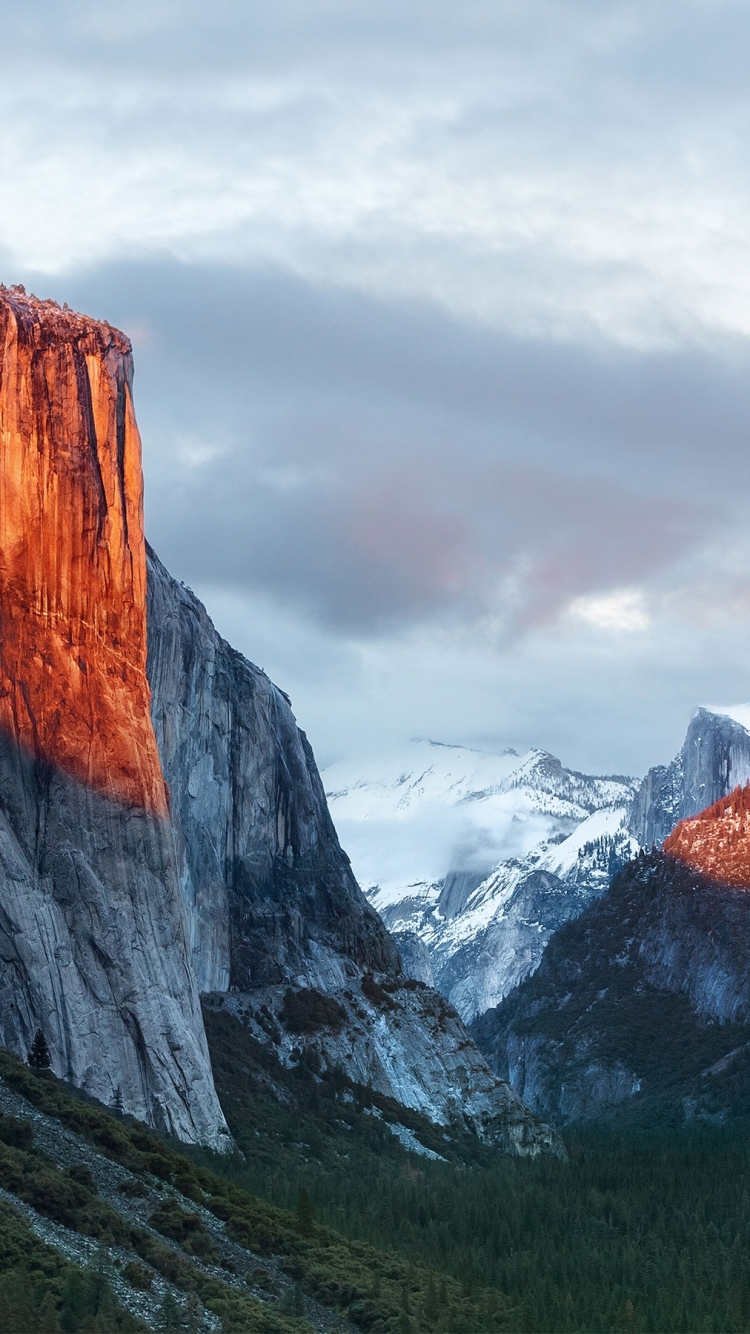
(473, 859)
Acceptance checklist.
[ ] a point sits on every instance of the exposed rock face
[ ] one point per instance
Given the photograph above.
(404, 1041)
(115, 894)
(717, 841)
(714, 759)
(72, 558)
(645, 996)
(271, 899)
(92, 934)
(415, 957)
(270, 895)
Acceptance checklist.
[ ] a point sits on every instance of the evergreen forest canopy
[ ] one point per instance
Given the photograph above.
(645, 1227)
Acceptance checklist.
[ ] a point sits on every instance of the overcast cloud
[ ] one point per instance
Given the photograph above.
(441, 317)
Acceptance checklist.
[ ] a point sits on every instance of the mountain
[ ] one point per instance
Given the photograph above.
(276, 917)
(717, 841)
(106, 1225)
(270, 896)
(93, 946)
(645, 999)
(163, 826)
(473, 860)
(714, 759)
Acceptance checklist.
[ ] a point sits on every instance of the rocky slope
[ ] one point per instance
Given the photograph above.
(92, 936)
(646, 996)
(508, 847)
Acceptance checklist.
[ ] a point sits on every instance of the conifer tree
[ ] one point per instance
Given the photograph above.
(117, 1105)
(305, 1213)
(39, 1058)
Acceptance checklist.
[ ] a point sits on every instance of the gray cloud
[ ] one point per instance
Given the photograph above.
(375, 465)
(441, 318)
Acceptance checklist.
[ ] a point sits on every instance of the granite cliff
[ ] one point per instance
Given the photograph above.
(163, 827)
(714, 759)
(276, 917)
(93, 947)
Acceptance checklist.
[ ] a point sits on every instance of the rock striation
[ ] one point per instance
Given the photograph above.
(270, 895)
(93, 946)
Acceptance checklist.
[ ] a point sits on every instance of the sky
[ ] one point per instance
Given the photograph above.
(441, 323)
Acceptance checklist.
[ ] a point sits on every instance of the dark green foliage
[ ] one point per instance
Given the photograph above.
(593, 1004)
(138, 1276)
(376, 993)
(305, 1213)
(187, 1229)
(307, 1011)
(169, 1315)
(41, 1293)
(39, 1058)
(642, 1231)
(133, 1189)
(18, 1134)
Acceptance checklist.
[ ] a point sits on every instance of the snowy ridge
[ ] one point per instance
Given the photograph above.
(480, 856)
(739, 713)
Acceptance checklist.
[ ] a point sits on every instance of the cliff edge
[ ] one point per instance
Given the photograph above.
(93, 946)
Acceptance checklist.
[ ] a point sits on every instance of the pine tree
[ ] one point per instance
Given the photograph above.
(169, 1315)
(39, 1058)
(117, 1105)
(432, 1305)
(305, 1213)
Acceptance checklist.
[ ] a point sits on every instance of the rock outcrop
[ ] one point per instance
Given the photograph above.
(270, 895)
(645, 997)
(717, 841)
(272, 904)
(714, 759)
(93, 946)
(123, 895)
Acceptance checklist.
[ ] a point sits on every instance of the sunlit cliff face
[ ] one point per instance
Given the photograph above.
(73, 687)
(717, 842)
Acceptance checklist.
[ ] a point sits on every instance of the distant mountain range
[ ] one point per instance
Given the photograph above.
(473, 860)
(642, 1005)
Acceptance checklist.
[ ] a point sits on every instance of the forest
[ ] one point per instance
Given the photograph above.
(644, 1226)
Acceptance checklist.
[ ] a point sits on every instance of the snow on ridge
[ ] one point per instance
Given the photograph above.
(482, 856)
(739, 713)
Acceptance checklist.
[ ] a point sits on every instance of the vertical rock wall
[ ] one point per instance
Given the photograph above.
(93, 944)
(270, 895)
(715, 758)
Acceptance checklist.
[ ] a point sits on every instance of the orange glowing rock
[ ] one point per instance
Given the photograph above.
(73, 687)
(717, 842)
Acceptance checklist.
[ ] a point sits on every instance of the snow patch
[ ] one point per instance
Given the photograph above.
(739, 713)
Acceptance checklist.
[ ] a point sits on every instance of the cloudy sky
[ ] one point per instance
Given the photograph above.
(441, 315)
